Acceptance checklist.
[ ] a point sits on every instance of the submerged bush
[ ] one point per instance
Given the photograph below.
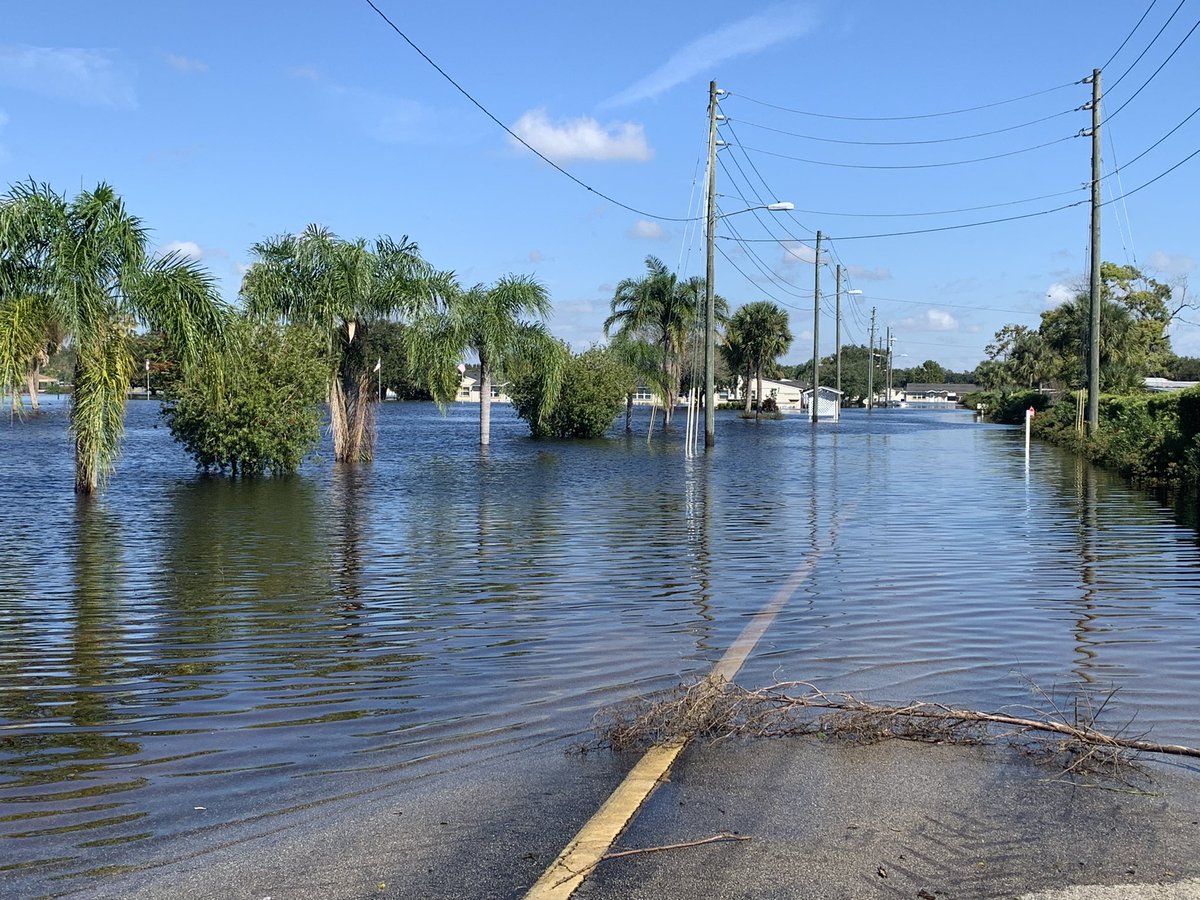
(259, 409)
(591, 394)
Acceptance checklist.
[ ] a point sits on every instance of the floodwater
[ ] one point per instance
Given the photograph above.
(185, 642)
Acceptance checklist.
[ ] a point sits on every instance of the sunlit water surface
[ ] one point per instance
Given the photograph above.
(189, 642)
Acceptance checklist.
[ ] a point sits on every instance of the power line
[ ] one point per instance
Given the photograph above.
(950, 112)
(516, 137)
(957, 162)
(949, 140)
(1153, 41)
(1131, 97)
(1131, 33)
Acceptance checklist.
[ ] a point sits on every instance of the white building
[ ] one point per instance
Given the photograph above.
(468, 391)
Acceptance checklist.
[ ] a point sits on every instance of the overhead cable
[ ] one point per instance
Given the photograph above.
(1131, 97)
(1131, 33)
(956, 162)
(1153, 41)
(949, 140)
(949, 112)
(516, 137)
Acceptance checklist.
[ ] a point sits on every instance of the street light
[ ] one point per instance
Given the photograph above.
(710, 304)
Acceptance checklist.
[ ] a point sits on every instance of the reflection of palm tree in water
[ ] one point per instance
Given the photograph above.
(348, 496)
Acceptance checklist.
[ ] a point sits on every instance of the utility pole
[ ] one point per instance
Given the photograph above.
(710, 308)
(816, 327)
(837, 330)
(1093, 408)
(888, 397)
(871, 365)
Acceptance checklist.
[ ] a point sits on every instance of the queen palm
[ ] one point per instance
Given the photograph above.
(764, 335)
(502, 325)
(80, 270)
(341, 288)
(663, 310)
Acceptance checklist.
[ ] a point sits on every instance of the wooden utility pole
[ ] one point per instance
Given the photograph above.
(1093, 368)
(871, 365)
(887, 402)
(710, 311)
(816, 327)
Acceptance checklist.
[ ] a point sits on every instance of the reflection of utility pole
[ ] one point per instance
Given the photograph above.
(871, 365)
(147, 378)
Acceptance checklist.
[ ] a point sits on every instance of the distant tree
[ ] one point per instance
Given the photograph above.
(1183, 368)
(642, 363)
(761, 331)
(80, 270)
(261, 413)
(388, 343)
(155, 348)
(928, 372)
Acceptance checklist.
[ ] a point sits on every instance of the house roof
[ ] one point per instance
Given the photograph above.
(949, 388)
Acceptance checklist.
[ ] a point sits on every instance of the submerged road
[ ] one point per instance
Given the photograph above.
(362, 683)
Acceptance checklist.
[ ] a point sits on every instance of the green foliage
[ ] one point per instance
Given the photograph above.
(264, 414)
(1007, 407)
(165, 371)
(80, 270)
(1133, 338)
(389, 343)
(928, 372)
(590, 394)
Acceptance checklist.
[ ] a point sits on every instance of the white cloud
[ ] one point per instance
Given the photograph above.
(1170, 264)
(190, 249)
(536, 256)
(89, 77)
(931, 320)
(186, 63)
(651, 231)
(1059, 293)
(775, 25)
(796, 253)
(582, 138)
(862, 273)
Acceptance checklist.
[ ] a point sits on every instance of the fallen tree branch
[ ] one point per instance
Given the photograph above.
(717, 709)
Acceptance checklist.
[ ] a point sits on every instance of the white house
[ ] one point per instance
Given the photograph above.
(936, 396)
(786, 392)
(468, 391)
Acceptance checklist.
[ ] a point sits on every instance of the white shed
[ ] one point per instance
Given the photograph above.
(829, 402)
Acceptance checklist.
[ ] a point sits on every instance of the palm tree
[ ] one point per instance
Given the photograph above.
(662, 310)
(737, 357)
(763, 332)
(502, 326)
(643, 361)
(80, 270)
(341, 288)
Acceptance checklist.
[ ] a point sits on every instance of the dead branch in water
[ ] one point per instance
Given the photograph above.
(718, 709)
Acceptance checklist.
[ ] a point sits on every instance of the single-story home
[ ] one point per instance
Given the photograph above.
(468, 391)
(937, 396)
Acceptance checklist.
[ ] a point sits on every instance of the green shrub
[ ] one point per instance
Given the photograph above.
(259, 410)
(591, 394)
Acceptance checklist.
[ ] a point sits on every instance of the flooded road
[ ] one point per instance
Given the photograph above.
(187, 644)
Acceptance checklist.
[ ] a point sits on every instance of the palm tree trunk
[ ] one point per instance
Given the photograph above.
(485, 401)
(759, 405)
(31, 381)
(749, 378)
(629, 412)
(361, 412)
(339, 424)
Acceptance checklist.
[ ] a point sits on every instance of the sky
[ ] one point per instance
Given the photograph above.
(225, 123)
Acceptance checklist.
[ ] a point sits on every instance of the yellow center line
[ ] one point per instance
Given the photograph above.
(584, 852)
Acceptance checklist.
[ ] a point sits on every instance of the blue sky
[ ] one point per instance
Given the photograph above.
(223, 123)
